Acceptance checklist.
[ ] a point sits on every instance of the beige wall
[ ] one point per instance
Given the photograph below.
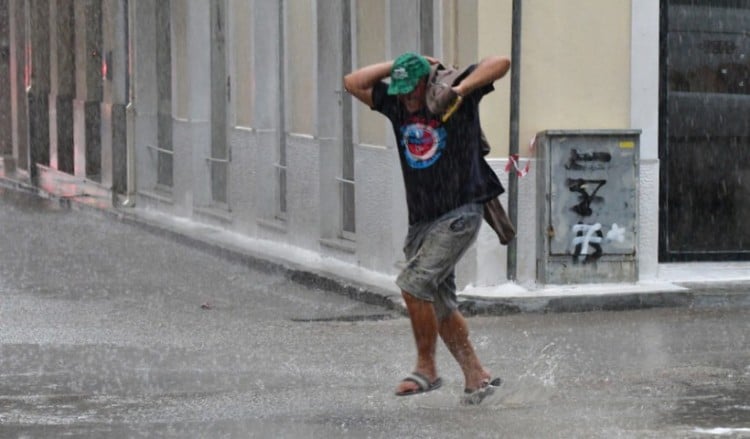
(575, 69)
(494, 20)
(300, 58)
(575, 72)
(460, 32)
(180, 60)
(243, 78)
(370, 48)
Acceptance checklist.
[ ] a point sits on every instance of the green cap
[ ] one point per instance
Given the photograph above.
(406, 72)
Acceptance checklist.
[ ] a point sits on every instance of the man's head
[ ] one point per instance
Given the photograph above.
(406, 72)
(408, 78)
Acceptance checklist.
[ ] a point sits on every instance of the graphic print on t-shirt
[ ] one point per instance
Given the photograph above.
(423, 141)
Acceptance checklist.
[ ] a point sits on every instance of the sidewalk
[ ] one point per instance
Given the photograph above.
(725, 284)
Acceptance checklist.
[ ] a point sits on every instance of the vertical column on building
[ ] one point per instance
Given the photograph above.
(62, 84)
(193, 184)
(330, 20)
(268, 101)
(6, 136)
(143, 62)
(37, 90)
(87, 102)
(114, 95)
(334, 118)
(18, 79)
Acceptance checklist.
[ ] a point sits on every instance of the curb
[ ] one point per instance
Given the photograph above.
(579, 303)
(696, 296)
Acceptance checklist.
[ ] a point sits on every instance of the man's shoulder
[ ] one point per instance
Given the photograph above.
(381, 100)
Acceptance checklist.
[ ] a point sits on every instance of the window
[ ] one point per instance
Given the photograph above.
(705, 135)
(164, 149)
(281, 163)
(220, 87)
(346, 182)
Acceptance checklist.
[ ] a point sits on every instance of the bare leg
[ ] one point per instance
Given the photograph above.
(425, 328)
(455, 333)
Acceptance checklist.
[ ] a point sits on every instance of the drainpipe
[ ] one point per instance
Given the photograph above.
(130, 21)
(515, 92)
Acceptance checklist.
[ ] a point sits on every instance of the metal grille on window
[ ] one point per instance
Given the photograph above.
(281, 194)
(348, 224)
(164, 149)
(346, 183)
(281, 166)
(220, 155)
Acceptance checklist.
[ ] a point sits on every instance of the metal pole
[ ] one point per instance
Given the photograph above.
(515, 92)
(130, 21)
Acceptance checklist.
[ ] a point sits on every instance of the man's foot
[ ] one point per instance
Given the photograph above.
(476, 396)
(416, 383)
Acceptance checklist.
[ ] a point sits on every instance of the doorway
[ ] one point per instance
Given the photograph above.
(704, 144)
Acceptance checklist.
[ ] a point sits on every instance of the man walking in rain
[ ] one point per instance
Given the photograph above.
(447, 182)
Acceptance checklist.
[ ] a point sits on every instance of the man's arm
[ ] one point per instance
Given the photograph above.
(361, 82)
(487, 71)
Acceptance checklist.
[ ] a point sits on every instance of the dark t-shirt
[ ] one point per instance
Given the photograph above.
(442, 163)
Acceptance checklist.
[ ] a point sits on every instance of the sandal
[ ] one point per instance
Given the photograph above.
(474, 397)
(423, 384)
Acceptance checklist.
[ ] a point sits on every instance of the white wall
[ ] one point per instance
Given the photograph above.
(644, 115)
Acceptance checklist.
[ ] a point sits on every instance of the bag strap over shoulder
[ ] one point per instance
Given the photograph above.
(440, 84)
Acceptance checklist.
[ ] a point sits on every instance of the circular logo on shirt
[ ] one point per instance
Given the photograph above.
(423, 143)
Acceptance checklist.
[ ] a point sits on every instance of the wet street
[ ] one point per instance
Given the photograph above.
(110, 331)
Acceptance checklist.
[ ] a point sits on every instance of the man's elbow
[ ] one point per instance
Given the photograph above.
(349, 83)
(353, 86)
(500, 65)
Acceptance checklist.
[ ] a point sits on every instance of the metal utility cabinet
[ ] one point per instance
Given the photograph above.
(587, 189)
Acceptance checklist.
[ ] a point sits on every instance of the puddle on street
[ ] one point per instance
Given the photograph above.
(344, 318)
(713, 408)
(28, 202)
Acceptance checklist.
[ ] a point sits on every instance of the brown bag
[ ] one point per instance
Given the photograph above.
(495, 216)
(494, 213)
(440, 97)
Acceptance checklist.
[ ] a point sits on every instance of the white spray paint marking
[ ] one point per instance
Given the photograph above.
(617, 233)
(587, 237)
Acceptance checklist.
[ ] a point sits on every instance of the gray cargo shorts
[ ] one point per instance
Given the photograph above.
(432, 251)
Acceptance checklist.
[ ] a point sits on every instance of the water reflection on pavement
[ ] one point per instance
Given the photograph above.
(103, 333)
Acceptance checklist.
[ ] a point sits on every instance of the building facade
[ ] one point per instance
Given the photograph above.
(231, 113)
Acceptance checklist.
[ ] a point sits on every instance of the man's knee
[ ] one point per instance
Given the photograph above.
(443, 311)
(413, 298)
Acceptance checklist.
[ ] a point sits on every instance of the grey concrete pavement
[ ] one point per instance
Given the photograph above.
(718, 285)
(103, 334)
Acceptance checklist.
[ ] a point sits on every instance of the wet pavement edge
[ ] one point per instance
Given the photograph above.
(695, 295)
